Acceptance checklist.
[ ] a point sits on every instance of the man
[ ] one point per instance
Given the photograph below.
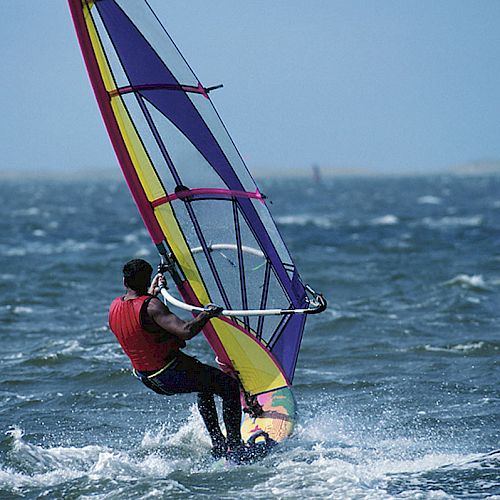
(152, 337)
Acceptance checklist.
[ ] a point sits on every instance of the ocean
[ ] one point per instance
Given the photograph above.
(397, 383)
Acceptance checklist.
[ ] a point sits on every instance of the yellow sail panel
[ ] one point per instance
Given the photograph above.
(256, 369)
(142, 163)
(102, 61)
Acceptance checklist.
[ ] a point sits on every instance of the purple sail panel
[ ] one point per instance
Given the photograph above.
(141, 62)
(286, 348)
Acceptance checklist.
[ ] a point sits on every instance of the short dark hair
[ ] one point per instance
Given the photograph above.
(137, 274)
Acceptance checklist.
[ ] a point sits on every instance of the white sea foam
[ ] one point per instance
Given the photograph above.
(121, 466)
(329, 457)
(50, 467)
(15, 252)
(429, 200)
(456, 349)
(7, 277)
(472, 221)
(473, 300)
(321, 221)
(354, 466)
(71, 347)
(64, 347)
(17, 355)
(22, 310)
(385, 220)
(108, 351)
(131, 238)
(334, 313)
(155, 438)
(191, 434)
(143, 252)
(467, 281)
(65, 246)
(31, 211)
(473, 346)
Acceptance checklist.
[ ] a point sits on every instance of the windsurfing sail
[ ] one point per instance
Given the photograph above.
(201, 206)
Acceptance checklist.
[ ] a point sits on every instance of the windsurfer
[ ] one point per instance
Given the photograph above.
(152, 337)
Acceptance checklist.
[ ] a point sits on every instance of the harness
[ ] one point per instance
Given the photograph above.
(149, 376)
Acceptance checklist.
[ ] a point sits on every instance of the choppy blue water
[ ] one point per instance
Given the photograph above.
(397, 383)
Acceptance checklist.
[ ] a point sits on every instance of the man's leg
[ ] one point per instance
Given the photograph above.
(214, 381)
(231, 409)
(208, 412)
(190, 375)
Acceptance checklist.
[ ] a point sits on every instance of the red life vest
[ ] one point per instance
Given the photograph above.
(138, 344)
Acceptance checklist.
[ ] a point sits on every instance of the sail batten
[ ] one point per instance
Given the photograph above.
(158, 86)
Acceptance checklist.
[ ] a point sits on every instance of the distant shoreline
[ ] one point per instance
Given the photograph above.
(112, 174)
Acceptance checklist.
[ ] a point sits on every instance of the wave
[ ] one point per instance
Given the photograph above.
(7, 277)
(330, 455)
(338, 458)
(27, 212)
(326, 472)
(385, 220)
(472, 476)
(57, 354)
(479, 347)
(321, 221)
(329, 222)
(449, 221)
(190, 436)
(135, 237)
(68, 246)
(35, 469)
(57, 469)
(22, 310)
(60, 350)
(473, 348)
(429, 200)
(474, 281)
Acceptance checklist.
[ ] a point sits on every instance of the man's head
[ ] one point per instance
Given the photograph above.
(137, 275)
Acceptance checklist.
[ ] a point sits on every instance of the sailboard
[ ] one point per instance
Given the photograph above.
(208, 219)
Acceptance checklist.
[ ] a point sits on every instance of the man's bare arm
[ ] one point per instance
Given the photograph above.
(169, 322)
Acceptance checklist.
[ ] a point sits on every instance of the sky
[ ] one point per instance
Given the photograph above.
(384, 85)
